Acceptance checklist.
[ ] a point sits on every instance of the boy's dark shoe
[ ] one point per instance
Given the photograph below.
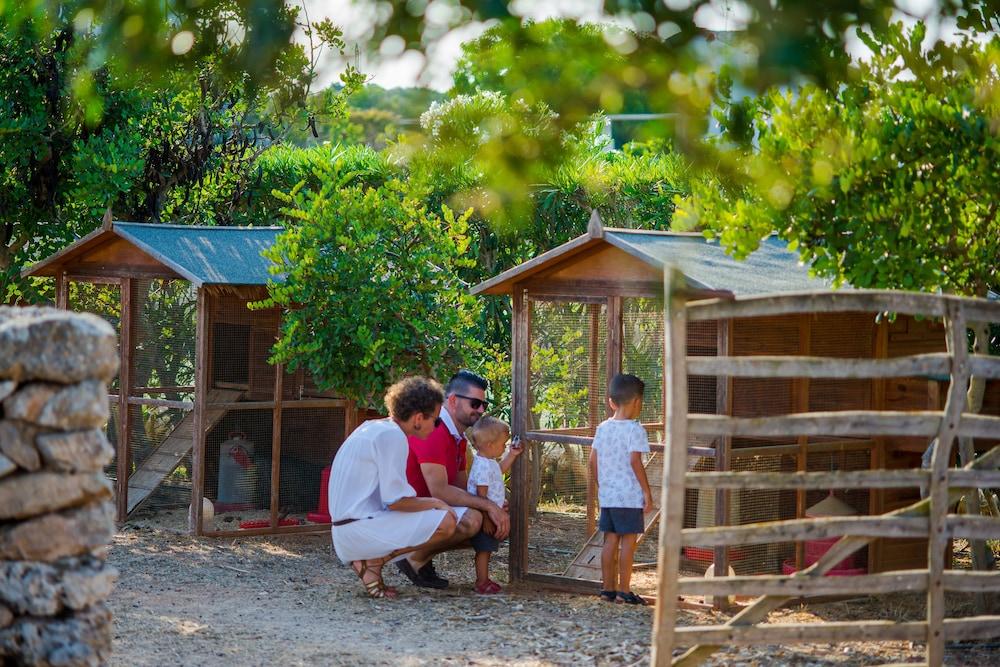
(418, 579)
(608, 596)
(430, 575)
(630, 598)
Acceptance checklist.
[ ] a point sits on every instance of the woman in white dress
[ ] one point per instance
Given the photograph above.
(376, 514)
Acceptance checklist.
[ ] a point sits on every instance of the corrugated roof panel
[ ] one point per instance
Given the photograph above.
(771, 268)
(207, 255)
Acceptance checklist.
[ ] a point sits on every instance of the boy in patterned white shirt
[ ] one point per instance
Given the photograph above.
(622, 488)
(489, 437)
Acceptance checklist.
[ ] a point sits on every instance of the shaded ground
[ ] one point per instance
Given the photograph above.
(256, 601)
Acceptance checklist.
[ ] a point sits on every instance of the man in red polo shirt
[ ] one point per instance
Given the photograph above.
(436, 468)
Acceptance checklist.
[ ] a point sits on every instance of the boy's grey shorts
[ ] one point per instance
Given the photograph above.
(621, 520)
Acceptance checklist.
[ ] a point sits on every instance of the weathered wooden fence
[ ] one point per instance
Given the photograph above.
(928, 518)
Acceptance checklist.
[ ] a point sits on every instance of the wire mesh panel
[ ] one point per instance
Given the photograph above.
(154, 430)
(238, 465)
(842, 335)
(568, 366)
(164, 336)
(103, 300)
(557, 524)
(309, 440)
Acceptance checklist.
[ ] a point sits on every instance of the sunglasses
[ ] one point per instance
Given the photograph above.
(474, 403)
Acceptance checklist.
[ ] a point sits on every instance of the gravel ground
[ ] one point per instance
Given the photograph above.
(287, 600)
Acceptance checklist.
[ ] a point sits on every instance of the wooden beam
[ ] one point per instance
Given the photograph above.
(866, 301)
(279, 389)
(201, 382)
(814, 448)
(520, 360)
(723, 461)
(161, 403)
(842, 423)
(675, 408)
(840, 479)
(800, 399)
(126, 345)
(321, 528)
(62, 290)
(973, 526)
(868, 584)
(797, 633)
(955, 331)
(594, 408)
(805, 529)
(805, 366)
(614, 314)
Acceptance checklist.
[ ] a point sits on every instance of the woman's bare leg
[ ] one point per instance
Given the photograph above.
(442, 535)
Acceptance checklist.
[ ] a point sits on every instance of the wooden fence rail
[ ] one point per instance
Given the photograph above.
(928, 518)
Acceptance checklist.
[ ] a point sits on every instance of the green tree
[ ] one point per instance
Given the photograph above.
(888, 181)
(75, 139)
(370, 280)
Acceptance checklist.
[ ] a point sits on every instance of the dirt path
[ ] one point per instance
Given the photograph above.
(287, 601)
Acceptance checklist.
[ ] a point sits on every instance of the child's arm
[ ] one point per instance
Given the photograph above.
(640, 474)
(509, 459)
(592, 463)
(489, 527)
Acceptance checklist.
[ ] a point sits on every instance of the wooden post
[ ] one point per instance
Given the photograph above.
(593, 403)
(201, 389)
(279, 390)
(800, 399)
(938, 538)
(614, 313)
(62, 290)
(723, 462)
(126, 343)
(674, 465)
(520, 359)
(876, 498)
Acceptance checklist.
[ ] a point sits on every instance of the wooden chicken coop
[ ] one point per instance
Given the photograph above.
(593, 307)
(197, 411)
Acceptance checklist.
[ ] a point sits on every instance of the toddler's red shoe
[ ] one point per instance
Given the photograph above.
(489, 588)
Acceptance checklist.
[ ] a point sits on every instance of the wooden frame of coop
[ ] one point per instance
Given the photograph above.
(195, 387)
(604, 273)
(951, 426)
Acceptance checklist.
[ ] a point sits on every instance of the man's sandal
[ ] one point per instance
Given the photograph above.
(376, 588)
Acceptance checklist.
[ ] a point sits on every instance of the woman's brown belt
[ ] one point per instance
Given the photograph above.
(344, 522)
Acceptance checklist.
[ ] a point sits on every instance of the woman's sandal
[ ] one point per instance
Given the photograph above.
(630, 598)
(376, 588)
(607, 596)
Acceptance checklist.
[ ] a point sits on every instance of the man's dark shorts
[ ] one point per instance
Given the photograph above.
(483, 542)
(621, 520)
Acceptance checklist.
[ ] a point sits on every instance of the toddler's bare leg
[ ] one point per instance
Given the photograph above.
(628, 542)
(609, 558)
(482, 567)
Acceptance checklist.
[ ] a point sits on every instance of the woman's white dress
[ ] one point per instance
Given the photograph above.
(368, 475)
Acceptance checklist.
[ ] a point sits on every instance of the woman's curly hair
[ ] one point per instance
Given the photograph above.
(412, 395)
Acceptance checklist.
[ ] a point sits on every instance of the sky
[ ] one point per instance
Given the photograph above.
(397, 69)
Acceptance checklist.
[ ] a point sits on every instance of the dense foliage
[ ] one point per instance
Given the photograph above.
(890, 181)
(369, 277)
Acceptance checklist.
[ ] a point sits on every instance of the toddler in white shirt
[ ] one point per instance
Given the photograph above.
(489, 437)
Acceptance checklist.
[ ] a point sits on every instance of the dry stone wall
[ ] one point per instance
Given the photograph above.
(56, 510)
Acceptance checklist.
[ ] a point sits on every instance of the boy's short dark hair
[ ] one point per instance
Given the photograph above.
(624, 387)
(461, 381)
(412, 395)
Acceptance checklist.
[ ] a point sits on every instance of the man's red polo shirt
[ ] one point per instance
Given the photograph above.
(439, 447)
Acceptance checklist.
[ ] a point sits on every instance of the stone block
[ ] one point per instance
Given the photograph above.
(78, 451)
(30, 494)
(17, 442)
(79, 639)
(6, 466)
(41, 589)
(7, 388)
(69, 408)
(6, 616)
(50, 537)
(56, 345)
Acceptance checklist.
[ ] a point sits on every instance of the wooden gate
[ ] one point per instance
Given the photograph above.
(928, 518)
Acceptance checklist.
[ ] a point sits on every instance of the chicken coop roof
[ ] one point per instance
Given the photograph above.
(203, 255)
(771, 268)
